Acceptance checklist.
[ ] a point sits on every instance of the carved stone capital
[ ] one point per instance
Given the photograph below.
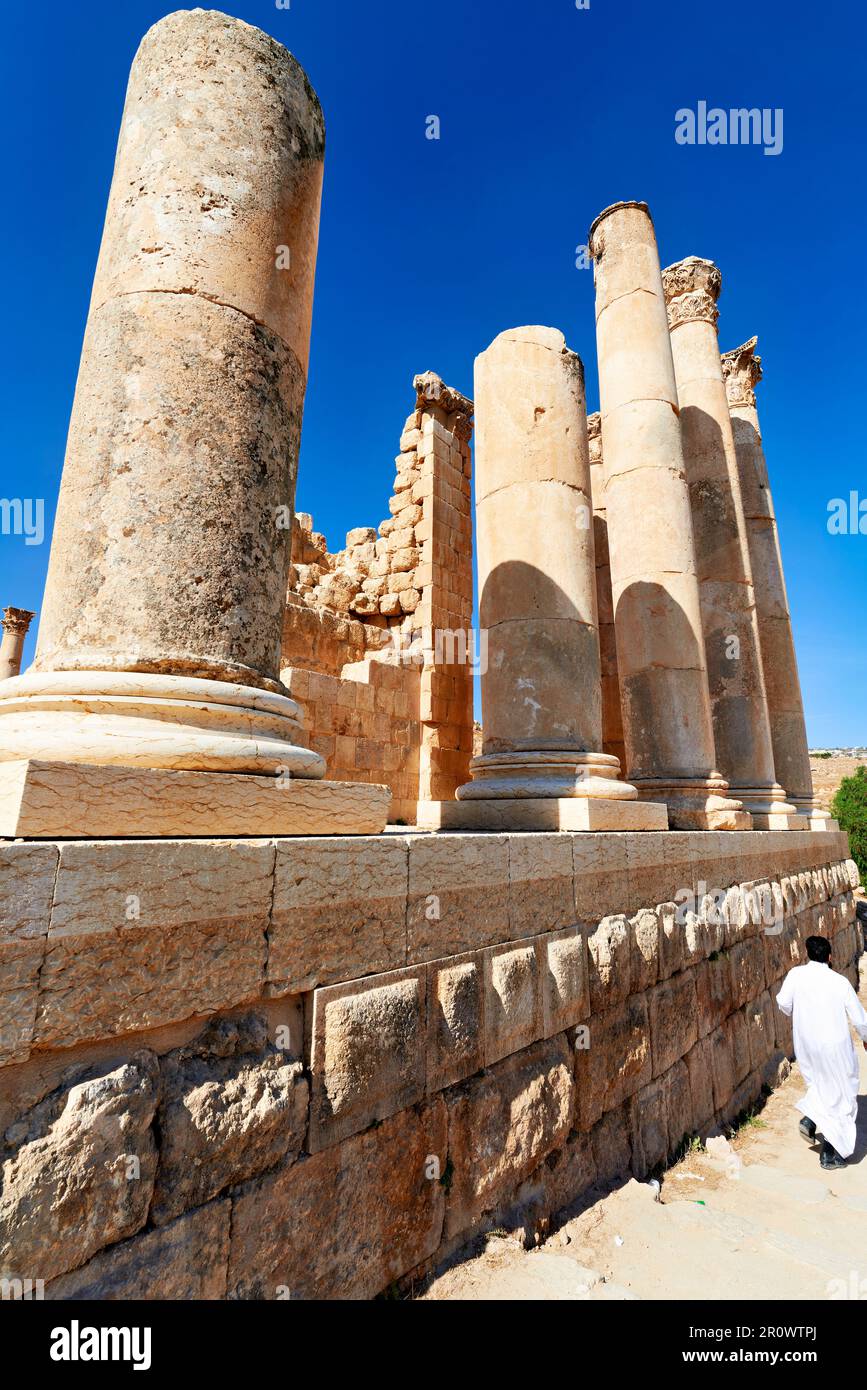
(16, 620)
(430, 390)
(742, 372)
(692, 288)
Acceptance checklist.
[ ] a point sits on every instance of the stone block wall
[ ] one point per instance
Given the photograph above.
(612, 717)
(309, 1068)
(400, 597)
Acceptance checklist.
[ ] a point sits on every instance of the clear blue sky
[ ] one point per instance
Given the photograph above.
(430, 248)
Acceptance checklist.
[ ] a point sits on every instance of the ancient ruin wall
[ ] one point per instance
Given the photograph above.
(377, 639)
(307, 1068)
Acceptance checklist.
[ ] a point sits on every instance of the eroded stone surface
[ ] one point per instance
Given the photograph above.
(344, 1223)
(78, 1171)
(502, 1124)
(226, 1113)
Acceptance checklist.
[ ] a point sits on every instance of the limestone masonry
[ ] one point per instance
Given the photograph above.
(300, 990)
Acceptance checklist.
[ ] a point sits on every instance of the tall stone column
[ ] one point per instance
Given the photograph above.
(612, 718)
(665, 700)
(742, 371)
(742, 731)
(15, 623)
(159, 640)
(541, 765)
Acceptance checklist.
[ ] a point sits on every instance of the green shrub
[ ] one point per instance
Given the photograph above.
(849, 807)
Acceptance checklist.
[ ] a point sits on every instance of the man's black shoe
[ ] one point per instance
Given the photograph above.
(807, 1130)
(830, 1157)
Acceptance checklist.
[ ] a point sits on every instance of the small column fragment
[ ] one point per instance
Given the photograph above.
(15, 623)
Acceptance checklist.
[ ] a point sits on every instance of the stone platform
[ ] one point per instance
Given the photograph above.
(48, 800)
(336, 1059)
(543, 813)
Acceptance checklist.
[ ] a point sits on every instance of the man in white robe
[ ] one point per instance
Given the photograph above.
(822, 1005)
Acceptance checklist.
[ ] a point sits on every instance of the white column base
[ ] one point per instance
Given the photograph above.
(54, 800)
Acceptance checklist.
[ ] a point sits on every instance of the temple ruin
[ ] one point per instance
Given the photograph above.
(297, 994)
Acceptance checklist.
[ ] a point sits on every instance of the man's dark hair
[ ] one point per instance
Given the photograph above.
(818, 948)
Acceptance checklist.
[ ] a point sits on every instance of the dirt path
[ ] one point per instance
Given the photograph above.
(757, 1218)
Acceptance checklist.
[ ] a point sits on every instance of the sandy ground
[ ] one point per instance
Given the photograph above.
(752, 1219)
(828, 773)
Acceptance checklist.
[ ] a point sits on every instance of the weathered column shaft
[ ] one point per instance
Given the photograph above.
(742, 734)
(159, 640)
(541, 690)
(541, 687)
(742, 371)
(612, 718)
(183, 445)
(170, 550)
(15, 623)
(667, 725)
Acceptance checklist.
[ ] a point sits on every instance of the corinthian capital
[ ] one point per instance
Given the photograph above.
(16, 620)
(742, 372)
(692, 288)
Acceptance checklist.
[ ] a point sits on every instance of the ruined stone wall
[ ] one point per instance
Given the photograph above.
(309, 1068)
(393, 701)
(612, 717)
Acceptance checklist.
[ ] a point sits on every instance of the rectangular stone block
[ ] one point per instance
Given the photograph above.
(184, 1261)
(107, 983)
(20, 965)
(502, 1124)
(672, 938)
(699, 1066)
(27, 873)
(744, 1099)
(52, 800)
(599, 867)
(673, 1020)
(455, 1020)
(678, 1104)
(562, 1178)
(346, 1222)
(759, 1015)
(564, 978)
(541, 894)
(125, 885)
(458, 894)
(612, 1147)
(612, 1059)
(713, 981)
(339, 910)
(644, 930)
(739, 1041)
(513, 999)
(367, 1056)
(649, 1128)
(747, 960)
(609, 958)
(722, 1065)
(527, 813)
(651, 874)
